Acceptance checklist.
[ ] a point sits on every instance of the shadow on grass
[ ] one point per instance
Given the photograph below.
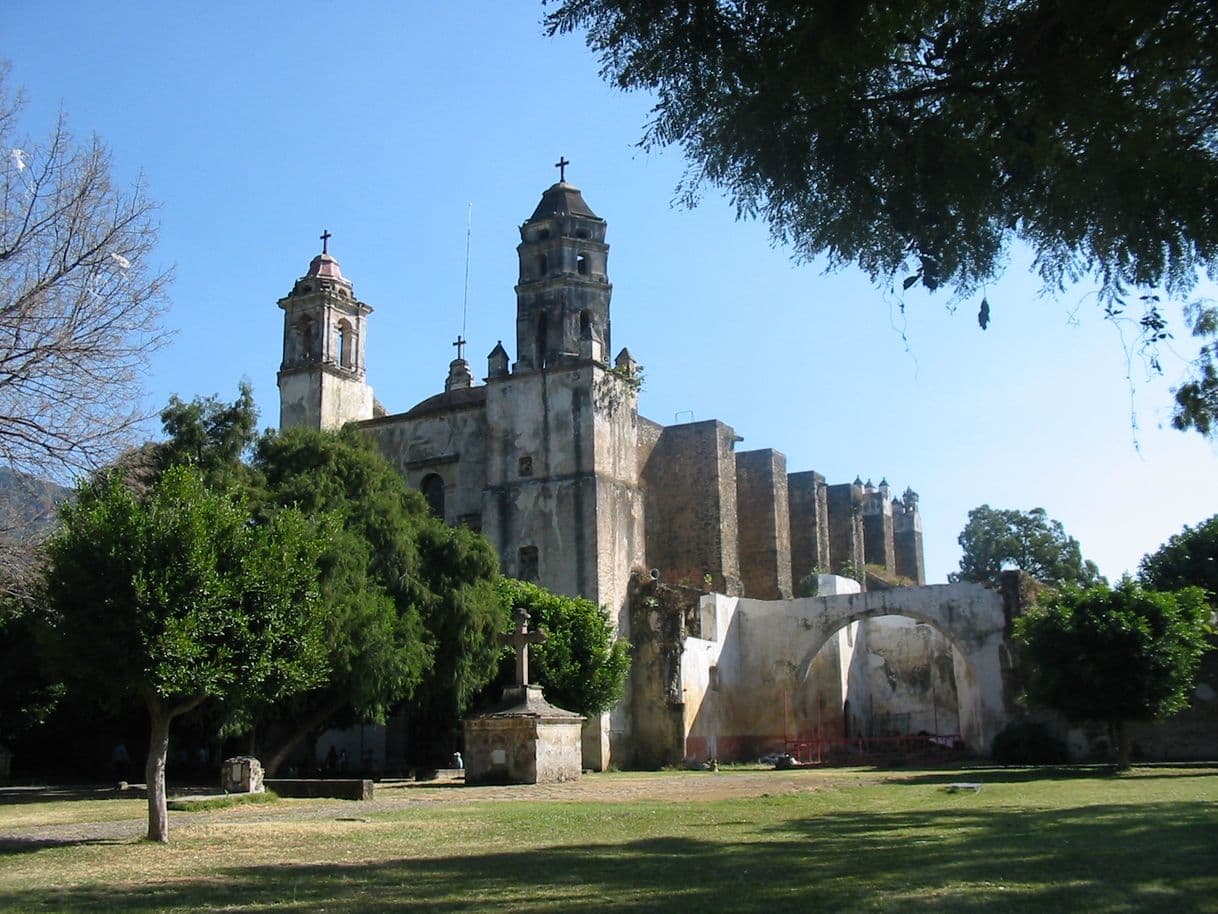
(10, 796)
(11, 845)
(1098, 859)
(1026, 775)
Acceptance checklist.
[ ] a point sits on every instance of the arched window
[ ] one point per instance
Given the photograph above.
(528, 565)
(433, 491)
(541, 264)
(305, 339)
(346, 344)
(585, 325)
(542, 340)
(581, 264)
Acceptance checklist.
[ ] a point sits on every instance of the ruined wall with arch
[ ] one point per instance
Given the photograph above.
(762, 672)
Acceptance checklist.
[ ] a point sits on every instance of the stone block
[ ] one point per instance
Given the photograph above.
(241, 774)
(524, 740)
(333, 788)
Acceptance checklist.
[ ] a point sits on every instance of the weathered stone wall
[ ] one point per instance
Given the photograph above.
(767, 686)
(559, 753)
(657, 674)
(320, 397)
(620, 538)
(449, 443)
(877, 531)
(910, 679)
(808, 506)
(907, 545)
(845, 504)
(763, 524)
(541, 489)
(690, 496)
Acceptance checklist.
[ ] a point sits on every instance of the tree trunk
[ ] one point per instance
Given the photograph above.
(154, 771)
(1121, 738)
(304, 729)
(160, 718)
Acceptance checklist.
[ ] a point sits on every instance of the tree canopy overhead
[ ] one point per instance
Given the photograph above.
(918, 140)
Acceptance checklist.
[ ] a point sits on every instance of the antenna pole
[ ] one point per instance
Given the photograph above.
(469, 230)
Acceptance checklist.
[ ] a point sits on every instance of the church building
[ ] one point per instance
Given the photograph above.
(550, 459)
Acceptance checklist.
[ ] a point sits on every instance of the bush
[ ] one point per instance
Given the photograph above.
(1028, 743)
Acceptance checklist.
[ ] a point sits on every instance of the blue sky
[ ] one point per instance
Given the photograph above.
(258, 125)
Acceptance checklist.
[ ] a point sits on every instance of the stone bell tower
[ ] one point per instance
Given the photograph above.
(321, 379)
(563, 501)
(562, 297)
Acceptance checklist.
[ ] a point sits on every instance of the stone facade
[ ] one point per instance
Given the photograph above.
(550, 459)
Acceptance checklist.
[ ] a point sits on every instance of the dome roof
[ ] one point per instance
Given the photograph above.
(325, 267)
(562, 199)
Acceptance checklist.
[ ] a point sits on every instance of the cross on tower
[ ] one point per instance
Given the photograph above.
(460, 344)
(561, 165)
(325, 241)
(520, 639)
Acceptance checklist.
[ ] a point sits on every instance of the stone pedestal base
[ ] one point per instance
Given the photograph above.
(523, 740)
(241, 774)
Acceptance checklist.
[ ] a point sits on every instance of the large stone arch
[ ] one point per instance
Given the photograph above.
(754, 653)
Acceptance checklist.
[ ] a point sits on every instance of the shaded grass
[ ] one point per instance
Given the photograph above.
(205, 804)
(859, 841)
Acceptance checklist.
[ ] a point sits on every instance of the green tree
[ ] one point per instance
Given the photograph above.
(1188, 559)
(1114, 655)
(209, 434)
(411, 611)
(994, 539)
(919, 140)
(371, 581)
(179, 598)
(464, 619)
(581, 666)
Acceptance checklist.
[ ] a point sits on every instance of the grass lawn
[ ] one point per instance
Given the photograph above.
(842, 840)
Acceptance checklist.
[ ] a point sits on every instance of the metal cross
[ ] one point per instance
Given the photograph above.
(561, 165)
(520, 639)
(460, 344)
(325, 241)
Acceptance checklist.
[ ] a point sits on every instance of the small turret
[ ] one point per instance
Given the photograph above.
(497, 362)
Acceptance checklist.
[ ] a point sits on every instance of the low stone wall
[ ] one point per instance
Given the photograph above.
(335, 788)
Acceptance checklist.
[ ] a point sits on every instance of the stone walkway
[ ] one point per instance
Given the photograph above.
(674, 787)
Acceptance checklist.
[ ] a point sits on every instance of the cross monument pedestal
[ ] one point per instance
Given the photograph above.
(524, 739)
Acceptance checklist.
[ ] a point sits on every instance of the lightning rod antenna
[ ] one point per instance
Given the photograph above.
(469, 230)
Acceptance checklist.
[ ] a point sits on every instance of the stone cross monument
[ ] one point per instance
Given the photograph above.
(524, 739)
(520, 639)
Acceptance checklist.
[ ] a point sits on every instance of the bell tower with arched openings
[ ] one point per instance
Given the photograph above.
(563, 292)
(321, 379)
